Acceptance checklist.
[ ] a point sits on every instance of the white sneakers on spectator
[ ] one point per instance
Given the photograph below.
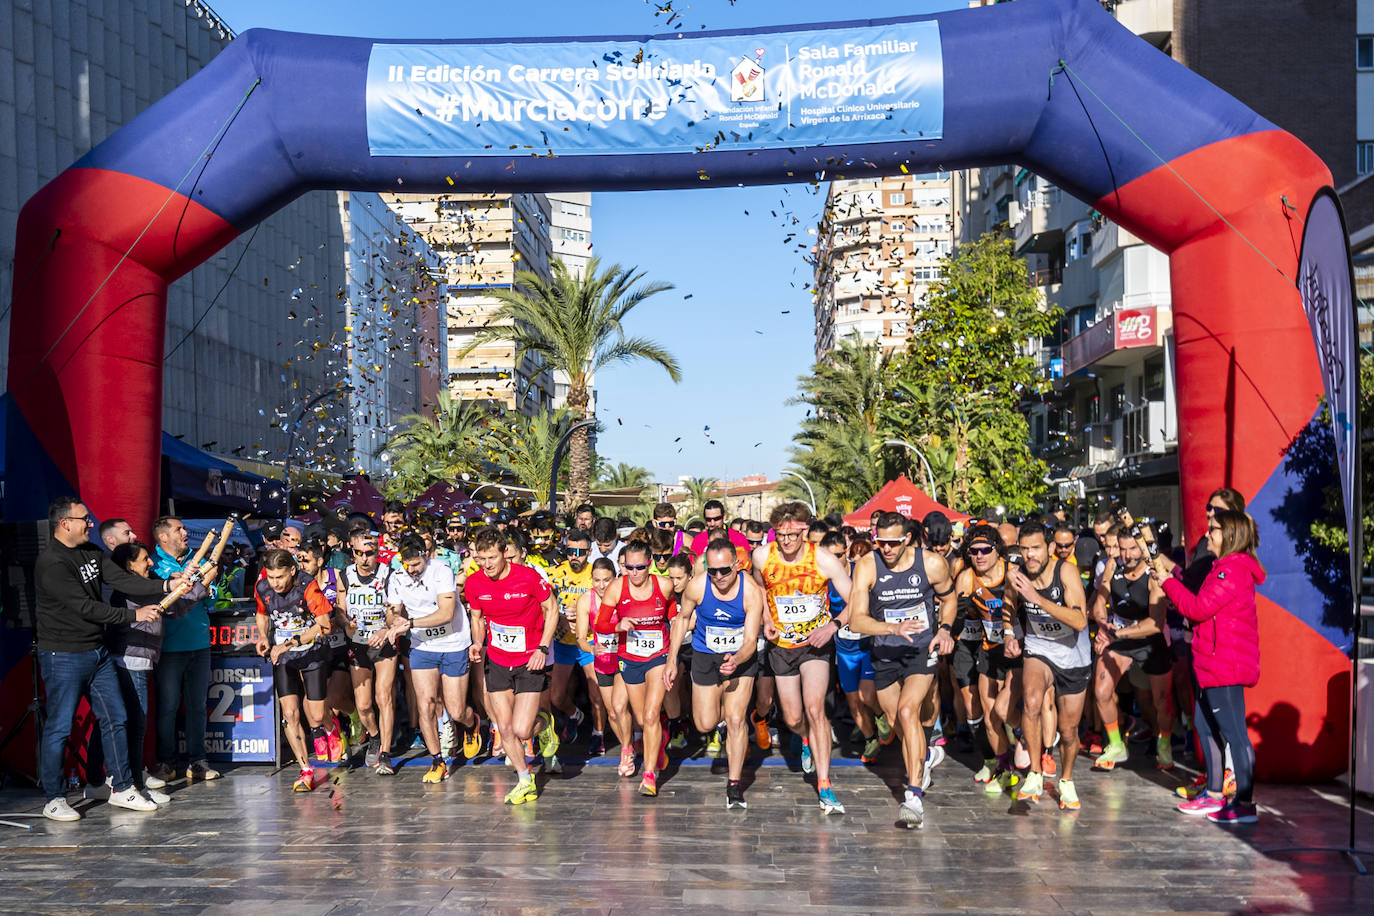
(59, 810)
(132, 800)
(152, 782)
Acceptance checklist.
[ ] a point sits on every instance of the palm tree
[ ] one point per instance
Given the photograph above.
(574, 324)
(452, 444)
(698, 491)
(621, 476)
(528, 449)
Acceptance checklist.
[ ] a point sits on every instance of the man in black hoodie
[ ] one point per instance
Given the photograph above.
(72, 657)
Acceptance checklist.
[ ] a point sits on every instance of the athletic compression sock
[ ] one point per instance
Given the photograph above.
(316, 731)
(929, 732)
(1113, 729)
(822, 785)
(980, 737)
(916, 791)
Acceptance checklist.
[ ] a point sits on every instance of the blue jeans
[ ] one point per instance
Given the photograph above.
(134, 687)
(66, 676)
(182, 677)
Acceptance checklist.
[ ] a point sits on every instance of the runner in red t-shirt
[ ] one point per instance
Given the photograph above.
(639, 607)
(514, 616)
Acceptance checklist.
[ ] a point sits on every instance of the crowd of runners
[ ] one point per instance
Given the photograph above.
(1025, 642)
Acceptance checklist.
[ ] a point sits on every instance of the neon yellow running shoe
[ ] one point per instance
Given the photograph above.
(524, 791)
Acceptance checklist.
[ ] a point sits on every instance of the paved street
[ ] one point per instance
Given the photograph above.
(371, 845)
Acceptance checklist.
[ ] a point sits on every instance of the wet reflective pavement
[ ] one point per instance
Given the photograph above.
(369, 844)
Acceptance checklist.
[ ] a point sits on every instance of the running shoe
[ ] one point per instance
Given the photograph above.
(1193, 789)
(472, 739)
(334, 744)
(662, 757)
(59, 810)
(384, 766)
(677, 742)
(152, 781)
(437, 773)
(552, 765)
(713, 744)
(417, 741)
(570, 729)
(1047, 765)
(596, 747)
(1002, 781)
(498, 749)
(374, 751)
(1164, 753)
(829, 803)
(1091, 743)
(761, 737)
(548, 736)
(985, 775)
(911, 813)
(935, 755)
(322, 748)
(1068, 795)
(734, 797)
(200, 771)
(1235, 812)
(648, 786)
(627, 762)
(529, 748)
(884, 729)
(937, 736)
(1203, 804)
(524, 791)
(448, 738)
(1032, 788)
(156, 797)
(1021, 759)
(808, 763)
(871, 748)
(304, 782)
(1111, 756)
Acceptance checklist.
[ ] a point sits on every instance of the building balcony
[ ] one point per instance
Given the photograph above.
(1046, 276)
(1113, 339)
(1147, 429)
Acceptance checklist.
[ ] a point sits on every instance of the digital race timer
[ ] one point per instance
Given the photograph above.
(233, 632)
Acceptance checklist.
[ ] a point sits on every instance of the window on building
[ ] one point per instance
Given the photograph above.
(896, 198)
(1364, 52)
(573, 235)
(572, 209)
(896, 227)
(1364, 157)
(1116, 402)
(1153, 382)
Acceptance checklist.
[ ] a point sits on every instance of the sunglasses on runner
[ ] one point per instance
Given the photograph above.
(1211, 508)
(981, 551)
(364, 553)
(890, 540)
(754, 542)
(665, 524)
(714, 518)
(719, 570)
(577, 551)
(661, 558)
(634, 566)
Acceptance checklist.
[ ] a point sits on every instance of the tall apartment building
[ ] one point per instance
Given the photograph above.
(570, 232)
(879, 246)
(1110, 424)
(259, 329)
(395, 346)
(481, 241)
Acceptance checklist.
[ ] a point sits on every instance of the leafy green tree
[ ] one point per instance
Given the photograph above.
(698, 492)
(457, 441)
(1330, 531)
(621, 476)
(526, 451)
(575, 323)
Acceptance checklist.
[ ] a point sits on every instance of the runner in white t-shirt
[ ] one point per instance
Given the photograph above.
(440, 635)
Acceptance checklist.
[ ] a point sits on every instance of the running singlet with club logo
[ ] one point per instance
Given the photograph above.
(897, 597)
(1130, 604)
(366, 601)
(336, 638)
(798, 596)
(649, 637)
(569, 586)
(291, 614)
(514, 610)
(1050, 638)
(987, 623)
(720, 622)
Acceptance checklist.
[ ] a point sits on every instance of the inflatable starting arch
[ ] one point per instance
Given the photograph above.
(1054, 85)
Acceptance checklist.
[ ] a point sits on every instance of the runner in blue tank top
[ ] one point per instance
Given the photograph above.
(723, 610)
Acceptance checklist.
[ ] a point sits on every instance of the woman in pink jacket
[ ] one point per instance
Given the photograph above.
(1226, 658)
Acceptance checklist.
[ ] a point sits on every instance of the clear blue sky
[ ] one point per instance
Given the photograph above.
(740, 353)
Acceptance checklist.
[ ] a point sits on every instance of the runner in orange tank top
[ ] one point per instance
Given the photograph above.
(796, 579)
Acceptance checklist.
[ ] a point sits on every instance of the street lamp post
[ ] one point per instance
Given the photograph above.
(808, 488)
(295, 427)
(558, 459)
(930, 477)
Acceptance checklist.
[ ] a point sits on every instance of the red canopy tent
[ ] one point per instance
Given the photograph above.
(902, 496)
(446, 500)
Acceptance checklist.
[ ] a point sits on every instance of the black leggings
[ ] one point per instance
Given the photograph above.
(1220, 719)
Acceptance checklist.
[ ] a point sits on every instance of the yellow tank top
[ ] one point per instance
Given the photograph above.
(569, 586)
(798, 596)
